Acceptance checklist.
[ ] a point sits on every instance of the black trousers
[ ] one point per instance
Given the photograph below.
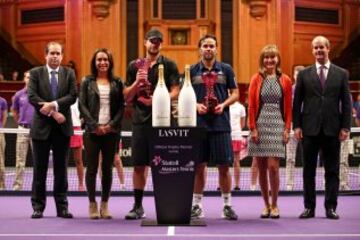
(59, 143)
(330, 148)
(93, 146)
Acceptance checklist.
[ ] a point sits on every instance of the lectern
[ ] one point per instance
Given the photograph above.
(174, 153)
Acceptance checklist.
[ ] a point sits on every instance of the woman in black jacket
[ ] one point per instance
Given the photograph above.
(101, 104)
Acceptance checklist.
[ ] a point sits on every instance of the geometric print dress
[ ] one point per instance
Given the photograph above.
(270, 124)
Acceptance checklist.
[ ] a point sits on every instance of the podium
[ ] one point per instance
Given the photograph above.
(174, 154)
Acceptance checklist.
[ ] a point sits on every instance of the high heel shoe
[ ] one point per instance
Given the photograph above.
(274, 212)
(265, 213)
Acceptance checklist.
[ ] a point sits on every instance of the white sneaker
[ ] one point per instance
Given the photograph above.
(136, 213)
(289, 187)
(228, 213)
(197, 212)
(252, 187)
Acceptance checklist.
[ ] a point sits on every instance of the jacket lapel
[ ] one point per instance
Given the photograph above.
(315, 78)
(330, 75)
(61, 81)
(94, 86)
(46, 82)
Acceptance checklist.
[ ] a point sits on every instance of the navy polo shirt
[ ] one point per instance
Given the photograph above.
(225, 81)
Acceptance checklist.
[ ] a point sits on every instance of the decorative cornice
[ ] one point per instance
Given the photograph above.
(101, 8)
(258, 8)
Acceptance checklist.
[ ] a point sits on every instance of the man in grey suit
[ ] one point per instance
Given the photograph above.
(51, 91)
(321, 119)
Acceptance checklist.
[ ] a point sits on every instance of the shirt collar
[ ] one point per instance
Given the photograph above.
(51, 69)
(160, 59)
(327, 65)
(215, 67)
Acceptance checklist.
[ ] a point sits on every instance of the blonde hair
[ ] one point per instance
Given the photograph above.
(321, 39)
(53, 43)
(270, 49)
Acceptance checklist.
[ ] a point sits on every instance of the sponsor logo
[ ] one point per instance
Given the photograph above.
(156, 160)
(172, 167)
(174, 132)
(125, 152)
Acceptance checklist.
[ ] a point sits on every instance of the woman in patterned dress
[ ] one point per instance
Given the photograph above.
(269, 122)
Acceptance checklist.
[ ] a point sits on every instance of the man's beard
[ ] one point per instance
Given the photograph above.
(153, 53)
(208, 57)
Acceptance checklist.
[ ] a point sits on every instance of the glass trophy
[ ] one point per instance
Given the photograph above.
(210, 100)
(144, 87)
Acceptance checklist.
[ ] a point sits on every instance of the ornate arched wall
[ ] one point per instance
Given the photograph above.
(90, 24)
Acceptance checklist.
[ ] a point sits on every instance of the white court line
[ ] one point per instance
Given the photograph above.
(171, 231)
(236, 236)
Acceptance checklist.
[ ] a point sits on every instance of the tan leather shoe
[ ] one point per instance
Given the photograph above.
(104, 211)
(93, 211)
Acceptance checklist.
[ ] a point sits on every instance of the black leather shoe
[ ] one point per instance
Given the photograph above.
(307, 213)
(37, 214)
(64, 214)
(331, 214)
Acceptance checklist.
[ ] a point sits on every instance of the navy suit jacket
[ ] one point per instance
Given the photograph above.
(39, 91)
(316, 109)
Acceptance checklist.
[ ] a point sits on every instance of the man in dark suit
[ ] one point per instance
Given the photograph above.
(321, 119)
(51, 91)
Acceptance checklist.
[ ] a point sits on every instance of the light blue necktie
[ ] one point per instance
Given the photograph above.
(53, 84)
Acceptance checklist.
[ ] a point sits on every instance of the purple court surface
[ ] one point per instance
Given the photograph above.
(15, 221)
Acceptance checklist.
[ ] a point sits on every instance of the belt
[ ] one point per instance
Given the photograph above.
(24, 125)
